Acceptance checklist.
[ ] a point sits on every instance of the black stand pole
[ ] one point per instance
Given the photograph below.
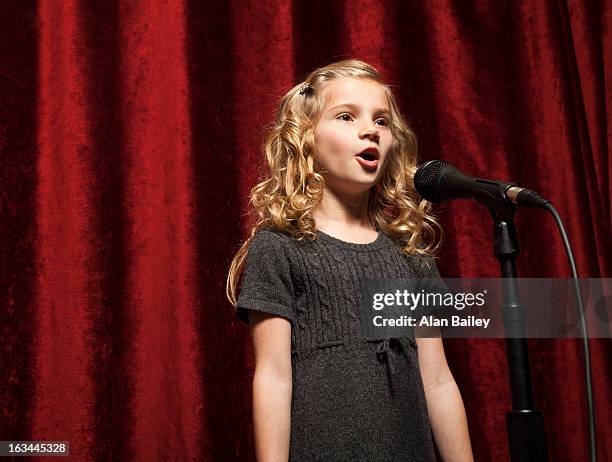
(525, 425)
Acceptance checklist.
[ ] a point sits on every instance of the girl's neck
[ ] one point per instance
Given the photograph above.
(341, 215)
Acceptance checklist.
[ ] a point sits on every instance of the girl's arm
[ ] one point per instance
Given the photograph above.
(444, 403)
(272, 385)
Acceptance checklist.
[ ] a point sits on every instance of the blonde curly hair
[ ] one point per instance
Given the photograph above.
(286, 199)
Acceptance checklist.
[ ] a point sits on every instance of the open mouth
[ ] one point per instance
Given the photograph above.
(367, 156)
(368, 159)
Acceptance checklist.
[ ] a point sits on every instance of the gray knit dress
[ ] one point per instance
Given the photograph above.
(353, 399)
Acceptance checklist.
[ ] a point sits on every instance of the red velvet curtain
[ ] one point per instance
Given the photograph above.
(130, 135)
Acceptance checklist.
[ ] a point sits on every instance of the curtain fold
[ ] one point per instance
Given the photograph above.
(131, 134)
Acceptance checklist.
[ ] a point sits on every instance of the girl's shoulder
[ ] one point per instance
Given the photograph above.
(424, 264)
(271, 240)
(270, 235)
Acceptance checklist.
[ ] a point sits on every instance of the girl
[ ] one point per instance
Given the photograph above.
(339, 207)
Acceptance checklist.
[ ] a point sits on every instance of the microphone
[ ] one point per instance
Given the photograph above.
(439, 181)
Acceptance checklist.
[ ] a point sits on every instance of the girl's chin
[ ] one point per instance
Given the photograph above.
(353, 185)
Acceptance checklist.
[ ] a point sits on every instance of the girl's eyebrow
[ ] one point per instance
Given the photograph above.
(354, 107)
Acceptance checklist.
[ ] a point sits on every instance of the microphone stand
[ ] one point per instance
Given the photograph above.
(525, 425)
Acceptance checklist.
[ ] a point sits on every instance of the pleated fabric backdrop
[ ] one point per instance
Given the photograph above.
(130, 135)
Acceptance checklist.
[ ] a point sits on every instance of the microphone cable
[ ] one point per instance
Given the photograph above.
(585, 340)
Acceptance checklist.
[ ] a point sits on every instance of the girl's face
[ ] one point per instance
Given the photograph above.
(353, 134)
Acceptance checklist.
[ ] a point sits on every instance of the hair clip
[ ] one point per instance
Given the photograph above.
(304, 88)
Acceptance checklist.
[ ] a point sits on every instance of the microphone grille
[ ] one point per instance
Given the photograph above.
(426, 179)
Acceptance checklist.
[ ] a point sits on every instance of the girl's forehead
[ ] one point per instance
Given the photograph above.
(353, 90)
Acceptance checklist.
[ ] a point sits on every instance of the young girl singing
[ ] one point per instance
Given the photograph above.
(338, 208)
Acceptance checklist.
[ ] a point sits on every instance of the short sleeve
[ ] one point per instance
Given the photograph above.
(430, 270)
(435, 284)
(267, 285)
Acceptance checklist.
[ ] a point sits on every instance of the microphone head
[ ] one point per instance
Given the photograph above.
(427, 179)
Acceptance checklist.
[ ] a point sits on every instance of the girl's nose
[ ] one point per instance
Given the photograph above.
(369, 131)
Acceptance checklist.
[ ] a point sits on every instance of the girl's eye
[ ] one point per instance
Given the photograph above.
(345, 117)
(384, 122)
